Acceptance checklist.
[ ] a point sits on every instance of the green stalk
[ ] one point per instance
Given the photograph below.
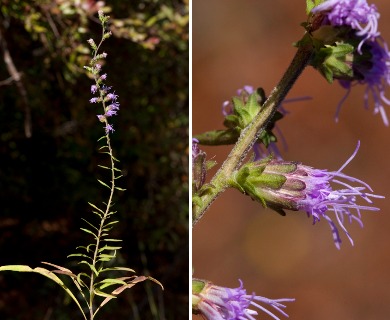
(97, 247)
(251, 133)
(109, 202)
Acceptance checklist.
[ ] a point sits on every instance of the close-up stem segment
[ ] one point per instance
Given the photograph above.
(251, 133)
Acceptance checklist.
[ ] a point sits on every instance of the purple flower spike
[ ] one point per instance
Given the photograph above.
(220, 303)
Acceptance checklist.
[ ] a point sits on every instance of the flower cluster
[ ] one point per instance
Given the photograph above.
(370, 59)
(356, 14)
(106, 96)
(220, 303)
(287, 185)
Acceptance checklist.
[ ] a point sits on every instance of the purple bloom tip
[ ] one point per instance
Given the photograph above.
(356, 14)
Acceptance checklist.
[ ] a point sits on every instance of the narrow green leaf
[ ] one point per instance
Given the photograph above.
(46, 273)
(103, 294)
(104, 167)
(109, 282)
(120, 189)
(99, 214)
(93, 269)
(112, 240)
(80, 281)
(109, 248)
(103, 183)
(105, 257)
(89, 231)
(110, 223)
(92, 205)
(90, 224)
(16, 267)
(79, 255)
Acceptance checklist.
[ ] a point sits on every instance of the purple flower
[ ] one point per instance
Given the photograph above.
(370, 61)
(373, 72)
(220, 303)
(356, 14)
(110, 112)
(93, 100)
(94, 89)
(111, 96)
(293, 186)
(109, 128)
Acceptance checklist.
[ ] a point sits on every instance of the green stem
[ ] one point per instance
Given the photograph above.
(109, 202)
(251, 133)
(106, 213)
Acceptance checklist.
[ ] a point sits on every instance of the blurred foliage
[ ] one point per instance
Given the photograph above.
(49, 151)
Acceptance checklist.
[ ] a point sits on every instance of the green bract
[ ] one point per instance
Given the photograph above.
(263, 181)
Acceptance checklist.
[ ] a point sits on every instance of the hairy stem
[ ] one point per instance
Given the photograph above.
(251, 133)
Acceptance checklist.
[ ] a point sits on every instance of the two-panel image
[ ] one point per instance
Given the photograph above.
(178, 159)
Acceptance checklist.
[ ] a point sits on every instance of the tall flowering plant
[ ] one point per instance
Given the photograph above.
(343, 43)
(94, 286)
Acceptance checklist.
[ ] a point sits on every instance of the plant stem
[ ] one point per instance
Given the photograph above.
(109, 202)
(106, 213)
(250, 134)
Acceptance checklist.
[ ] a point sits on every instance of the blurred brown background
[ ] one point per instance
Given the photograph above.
(248, 42)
